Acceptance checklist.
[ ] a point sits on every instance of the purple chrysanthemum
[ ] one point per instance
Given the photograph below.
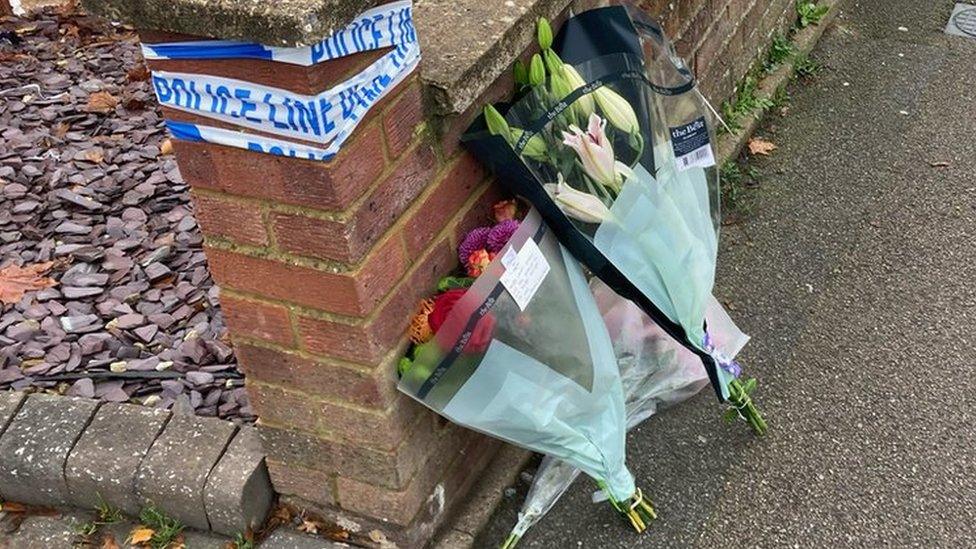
(500, 235)
(475, 240)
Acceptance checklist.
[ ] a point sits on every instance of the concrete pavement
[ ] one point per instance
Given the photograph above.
(855, 276)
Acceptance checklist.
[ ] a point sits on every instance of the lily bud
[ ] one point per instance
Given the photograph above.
(536, 147)
(576, 204)
(537, 72)
(521, 73)
(544, 33)
(575, 81)
(496, 122)
(617, 110)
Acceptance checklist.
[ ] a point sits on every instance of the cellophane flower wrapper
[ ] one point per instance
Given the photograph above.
(656, 372)
(654, 239)
(544, 378)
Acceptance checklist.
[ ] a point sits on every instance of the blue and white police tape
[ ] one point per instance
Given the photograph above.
(389, 25)
(207, 134)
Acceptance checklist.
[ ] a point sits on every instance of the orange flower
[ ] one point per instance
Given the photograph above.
(478, 261)
(504, 210)
(420, 331)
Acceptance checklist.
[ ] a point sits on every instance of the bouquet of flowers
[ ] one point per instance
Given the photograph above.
(656, 372)
(608, 138)
(517, 349)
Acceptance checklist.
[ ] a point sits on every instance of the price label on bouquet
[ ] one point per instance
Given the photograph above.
(692, 148)
(524, 272)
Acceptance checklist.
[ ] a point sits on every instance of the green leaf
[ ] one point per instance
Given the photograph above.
(404, 365)
(750, 385)
(454, 282)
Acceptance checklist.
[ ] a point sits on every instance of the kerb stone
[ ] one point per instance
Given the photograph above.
(104, 463)
(35, 446)
(173, 475)
(238, 494)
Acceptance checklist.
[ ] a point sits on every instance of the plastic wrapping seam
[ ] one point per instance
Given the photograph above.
(385, 26)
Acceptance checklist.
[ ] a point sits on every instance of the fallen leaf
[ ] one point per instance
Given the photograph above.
(309, 526)
(761, 146)
(61, 130)
(102, 102)
(108, 542)
(94, 155)
(16, 281)
(141, 535)
(166, 147)
(13, 506)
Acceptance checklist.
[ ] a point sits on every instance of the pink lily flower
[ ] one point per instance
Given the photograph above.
(595, 152)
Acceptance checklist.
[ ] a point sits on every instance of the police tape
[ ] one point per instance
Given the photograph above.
(327, 118)
(385, 26)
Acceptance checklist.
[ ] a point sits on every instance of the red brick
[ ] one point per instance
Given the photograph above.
(453, 190)
(479, 213)
(391, 469)
(368, 343)
(400, 506)
(354, 294)
(349, 241)
(234, 220)
(294, 480)
(402, 118)
(377, 430)
(257, 320)
(332, 185)
(293, 371)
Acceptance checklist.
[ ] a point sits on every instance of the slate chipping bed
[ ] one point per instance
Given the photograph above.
(134, 316)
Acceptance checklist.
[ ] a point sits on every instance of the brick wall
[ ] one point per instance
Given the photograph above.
(321, 265)
(721, 39)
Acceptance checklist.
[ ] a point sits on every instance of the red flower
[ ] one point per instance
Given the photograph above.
(444, 303)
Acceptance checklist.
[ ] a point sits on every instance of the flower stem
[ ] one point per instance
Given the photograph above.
(638, 511)
(510, 542)
(743, 406)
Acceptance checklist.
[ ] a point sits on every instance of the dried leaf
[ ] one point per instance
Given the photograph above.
(13, 506)
(141, 535)
(108, 542)
(761, 146)
(16, 281)
(166, 147)
(309, 526)
(94, 155)
(102, 102)
(61, 130)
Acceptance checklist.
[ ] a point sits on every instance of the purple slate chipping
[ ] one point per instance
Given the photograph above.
(93, 192)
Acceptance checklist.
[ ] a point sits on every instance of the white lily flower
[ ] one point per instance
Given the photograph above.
(576, 204)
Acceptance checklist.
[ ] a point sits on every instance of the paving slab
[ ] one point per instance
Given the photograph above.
(104, 463)
(173, 475)
(287, 538)
(238, 493)
(35, 446)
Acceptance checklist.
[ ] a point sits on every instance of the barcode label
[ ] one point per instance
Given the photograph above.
(701, 158)
(691, 146)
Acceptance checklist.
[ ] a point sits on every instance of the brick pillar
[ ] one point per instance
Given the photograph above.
(320, 266)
